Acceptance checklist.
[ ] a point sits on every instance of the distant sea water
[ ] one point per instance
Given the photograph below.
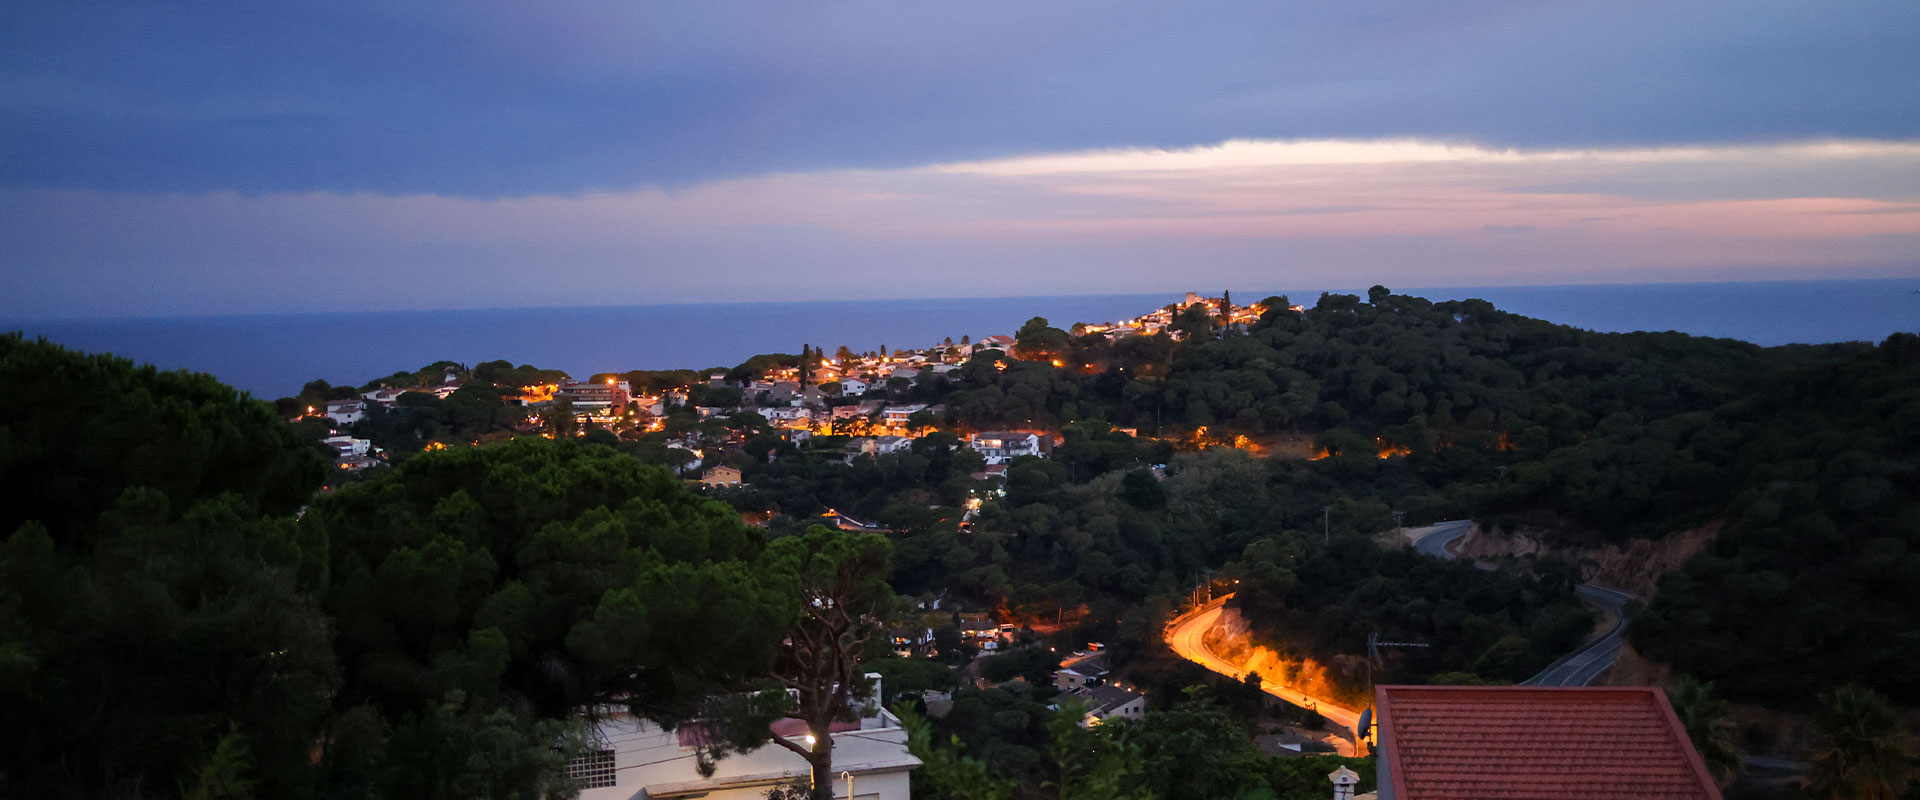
(273, 355)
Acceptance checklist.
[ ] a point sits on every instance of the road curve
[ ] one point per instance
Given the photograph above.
(1582, 666)
(1433, 539)
(1186, 636)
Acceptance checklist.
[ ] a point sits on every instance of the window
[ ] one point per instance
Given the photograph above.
(593, 770)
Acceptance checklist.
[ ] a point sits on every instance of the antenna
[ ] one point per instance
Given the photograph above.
(1373, 653)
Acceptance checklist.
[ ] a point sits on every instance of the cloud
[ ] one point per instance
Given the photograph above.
(505, 99)
(1246, 213)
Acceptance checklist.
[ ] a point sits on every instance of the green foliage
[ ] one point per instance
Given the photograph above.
(1705, 718)
(1038, 341)
(904, 679)
(504, 373)
(151, 631)
(224, 775)
(1324, 601)
(1033, 663)
(83, 429)
(1861, 750)
(945, 772)
(1813, 579)
(1194, 751)
(1305, 778)
(1094, 764)
(549, 574)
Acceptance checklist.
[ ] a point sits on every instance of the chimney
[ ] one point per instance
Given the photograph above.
(872, 706)
(1343, 782)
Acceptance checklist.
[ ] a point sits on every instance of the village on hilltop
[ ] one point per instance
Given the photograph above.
(863, 396)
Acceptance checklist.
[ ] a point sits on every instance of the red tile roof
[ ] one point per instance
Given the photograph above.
(1512, 742)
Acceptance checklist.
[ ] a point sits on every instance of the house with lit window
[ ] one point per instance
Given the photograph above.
(1082, 668)
(595, 396)
(897, 416)
(999, 447)
(635, 759)
(786, 416)
(720, 476)
(1107, 702)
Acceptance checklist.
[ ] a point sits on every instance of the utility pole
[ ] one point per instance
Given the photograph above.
(1398, 517)
(1326, 528)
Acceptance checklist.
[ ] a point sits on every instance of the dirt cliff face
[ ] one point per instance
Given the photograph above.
(1230, 638)
(1635, 567)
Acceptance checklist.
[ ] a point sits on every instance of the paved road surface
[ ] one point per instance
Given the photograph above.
(1433, 539)
(1578, 668)
(1583, 666)
(1184, 636)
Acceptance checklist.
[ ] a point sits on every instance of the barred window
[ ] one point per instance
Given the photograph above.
(593, 770)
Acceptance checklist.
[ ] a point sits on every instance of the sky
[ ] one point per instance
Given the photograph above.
(219, 158)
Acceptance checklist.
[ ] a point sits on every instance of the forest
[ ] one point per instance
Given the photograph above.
(184, 613)
(1803, 456)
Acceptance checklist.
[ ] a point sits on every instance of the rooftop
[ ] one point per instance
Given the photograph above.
(1101, 698)
(1489, 743)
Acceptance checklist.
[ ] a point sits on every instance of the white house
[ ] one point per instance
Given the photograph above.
(851, 387)
(634, 759)
(346, 412)
(384, 396)
(999, 447)
(896, 416)
(787, 416)
(875, 446)
(346, 446)
(994, 343)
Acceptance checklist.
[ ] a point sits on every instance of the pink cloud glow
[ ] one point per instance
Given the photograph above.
(1403, 211)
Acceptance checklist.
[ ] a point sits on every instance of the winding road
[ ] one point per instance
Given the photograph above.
(1186, 636)
(1578, 668)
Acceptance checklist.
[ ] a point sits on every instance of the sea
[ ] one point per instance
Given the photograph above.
(274, 355)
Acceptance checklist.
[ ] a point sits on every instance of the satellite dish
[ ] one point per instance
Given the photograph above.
(1366, 723)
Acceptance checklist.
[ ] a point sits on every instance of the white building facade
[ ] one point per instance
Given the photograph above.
(636, 760)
